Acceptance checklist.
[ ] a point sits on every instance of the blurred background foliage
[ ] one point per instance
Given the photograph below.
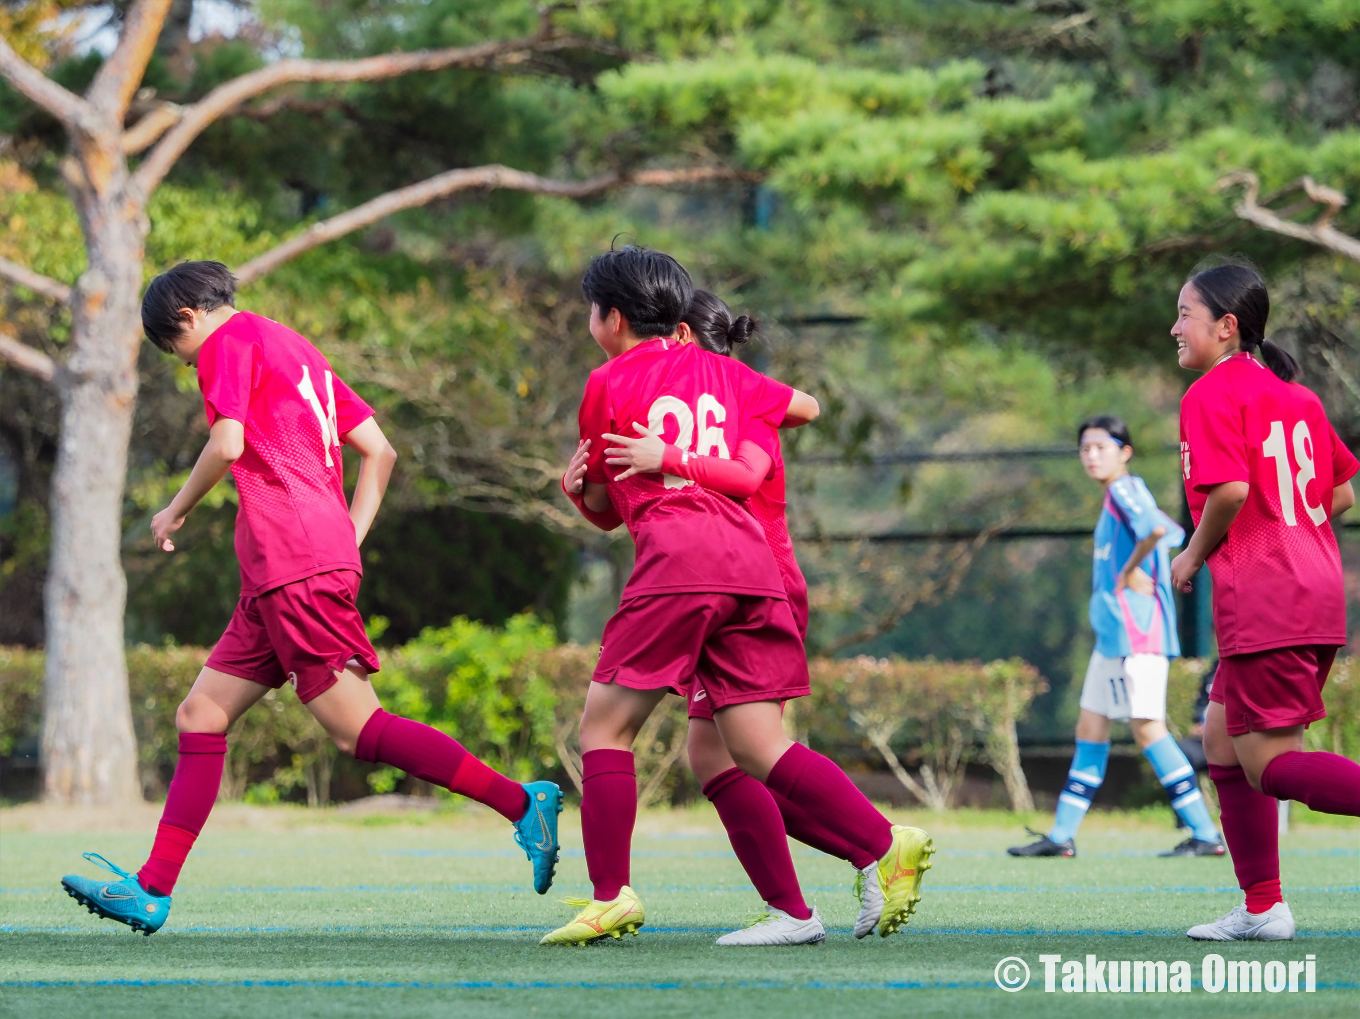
(513, 696)
(972, 220)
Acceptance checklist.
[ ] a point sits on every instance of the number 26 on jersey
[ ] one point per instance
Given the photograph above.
(709, 414)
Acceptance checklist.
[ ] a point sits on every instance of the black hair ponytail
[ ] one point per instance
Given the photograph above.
(714, 327)
(1240, 291)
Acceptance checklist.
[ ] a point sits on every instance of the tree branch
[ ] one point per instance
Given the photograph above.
(27, 359)
(1321, 232)
(119, 75)
(35, 281)
(225, 98)
(154, 123)
(445, 184)
(935, 588)
(66, 106)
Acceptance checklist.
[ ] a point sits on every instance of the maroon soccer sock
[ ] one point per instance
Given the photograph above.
(1325, 782)
(1251, 828)
(429, 754)
(608, 813)
(1262, 895)
(802, 826)
(749, 813)
(193, 791)
(830, 798)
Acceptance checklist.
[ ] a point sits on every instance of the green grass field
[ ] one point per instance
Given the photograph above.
(289, 912)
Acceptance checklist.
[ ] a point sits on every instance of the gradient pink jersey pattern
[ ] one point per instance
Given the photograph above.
(1277, 572)
(293, 521)
(767, 401)
(687, 538)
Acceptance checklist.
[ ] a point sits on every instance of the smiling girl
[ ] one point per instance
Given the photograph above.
(1264, 475)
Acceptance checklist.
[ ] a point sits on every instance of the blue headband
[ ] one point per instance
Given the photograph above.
(1111, 438)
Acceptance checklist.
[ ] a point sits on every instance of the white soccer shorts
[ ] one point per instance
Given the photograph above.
(1124, 688)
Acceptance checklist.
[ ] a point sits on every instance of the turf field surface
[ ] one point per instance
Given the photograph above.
(285, 911)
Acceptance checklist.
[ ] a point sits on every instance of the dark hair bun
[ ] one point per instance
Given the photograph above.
(740, 331)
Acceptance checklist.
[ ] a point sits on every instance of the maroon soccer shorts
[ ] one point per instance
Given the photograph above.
(301, 633)
(1273, 689)
(741, 648)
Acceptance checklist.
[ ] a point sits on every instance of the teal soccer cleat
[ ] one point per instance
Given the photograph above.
(536, 831)
(124, 900)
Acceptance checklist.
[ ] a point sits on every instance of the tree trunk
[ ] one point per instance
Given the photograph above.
(88, 748)
(1003, 752)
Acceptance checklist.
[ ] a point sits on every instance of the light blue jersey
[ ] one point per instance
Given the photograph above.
(1127, 622)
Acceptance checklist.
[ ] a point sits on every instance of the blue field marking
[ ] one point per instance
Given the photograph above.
(1115, 854)
(425, 889)
(522, 985)
(648, 930)
(535, 985)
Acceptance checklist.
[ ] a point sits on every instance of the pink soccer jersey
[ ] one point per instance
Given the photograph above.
(687, 538)
(1277, 573)
(766, 403)
(293, 521)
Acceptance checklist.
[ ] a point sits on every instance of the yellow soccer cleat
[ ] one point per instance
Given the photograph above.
(614, 919)
(899, 876)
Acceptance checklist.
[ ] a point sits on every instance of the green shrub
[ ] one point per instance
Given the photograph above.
(1182, 690)
(1339, 732)
(945, 714)
(514, 697)
(475, 683)
(21, 683)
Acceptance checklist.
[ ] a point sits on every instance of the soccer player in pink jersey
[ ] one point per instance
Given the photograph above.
(1264, 474)
(705, 594)
(746, 807)
(278, 416)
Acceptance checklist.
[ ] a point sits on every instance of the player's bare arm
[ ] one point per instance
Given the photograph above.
(1132, 575)
(803, 409)
(376, 460)
(596, 497)
(1343, 498)
(226, 443)
(1225, 502)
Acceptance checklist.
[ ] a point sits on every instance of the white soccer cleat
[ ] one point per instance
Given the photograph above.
(775, 927)
(870, 897)
(1275, 924)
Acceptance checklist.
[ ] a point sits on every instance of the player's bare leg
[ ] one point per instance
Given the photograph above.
(345, 708)
(216, 701)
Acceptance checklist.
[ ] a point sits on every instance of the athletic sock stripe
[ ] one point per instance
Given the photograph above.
(1179, 773)
(1074, 801)
(1086, 777)
(1189, 797)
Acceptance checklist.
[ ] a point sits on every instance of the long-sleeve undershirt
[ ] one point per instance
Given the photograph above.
(739, 477)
